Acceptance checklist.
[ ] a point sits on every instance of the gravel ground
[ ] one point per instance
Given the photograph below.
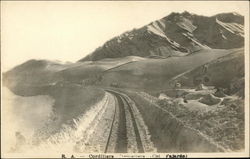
(99, 135)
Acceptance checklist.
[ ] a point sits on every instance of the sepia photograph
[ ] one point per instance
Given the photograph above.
(124, 79)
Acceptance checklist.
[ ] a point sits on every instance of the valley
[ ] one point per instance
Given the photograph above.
(174, 85)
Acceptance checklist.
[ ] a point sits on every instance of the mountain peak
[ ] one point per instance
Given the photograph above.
(177, 14)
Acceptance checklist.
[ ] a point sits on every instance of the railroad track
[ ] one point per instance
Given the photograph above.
(122, 136)
(111, 129)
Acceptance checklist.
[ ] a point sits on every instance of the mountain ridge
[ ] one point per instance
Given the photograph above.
(148, 56)
(177, 34)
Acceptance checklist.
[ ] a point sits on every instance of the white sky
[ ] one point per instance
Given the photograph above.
(68, 31)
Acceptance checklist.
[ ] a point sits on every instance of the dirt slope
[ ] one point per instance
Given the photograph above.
(156, 73)
(36, 76)
(226, 72)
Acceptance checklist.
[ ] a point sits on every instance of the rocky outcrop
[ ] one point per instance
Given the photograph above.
(210, 100)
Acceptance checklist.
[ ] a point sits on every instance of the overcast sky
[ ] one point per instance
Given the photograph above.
(68, 31)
